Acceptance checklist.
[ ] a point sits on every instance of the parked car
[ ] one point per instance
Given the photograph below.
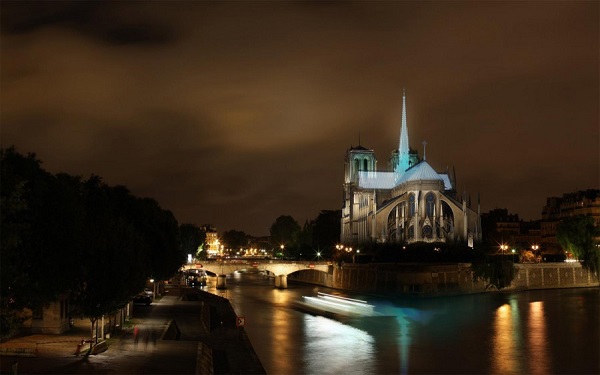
(142, 299)
(148, 292)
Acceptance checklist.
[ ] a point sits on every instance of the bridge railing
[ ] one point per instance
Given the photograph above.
(258, 261)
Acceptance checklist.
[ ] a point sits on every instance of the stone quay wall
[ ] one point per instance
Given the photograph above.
(552, 275)
(441, 279)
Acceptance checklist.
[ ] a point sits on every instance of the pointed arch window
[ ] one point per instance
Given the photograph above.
(429, 204)
(411, 205)
(366, 165)
(427, 231)
(356, 165)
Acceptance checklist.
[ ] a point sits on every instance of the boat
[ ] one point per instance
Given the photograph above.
(332, 304)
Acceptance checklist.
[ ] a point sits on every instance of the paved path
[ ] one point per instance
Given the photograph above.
(217, 347)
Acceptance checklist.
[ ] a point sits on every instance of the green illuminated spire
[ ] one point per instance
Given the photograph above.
(403, 148)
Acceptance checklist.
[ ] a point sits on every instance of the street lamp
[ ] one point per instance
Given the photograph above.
(503, 247)
(535, 249)
(153, 289)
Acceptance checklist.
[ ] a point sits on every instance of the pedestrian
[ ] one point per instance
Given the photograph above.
(136, 335)
(146, 338)
(79, 346)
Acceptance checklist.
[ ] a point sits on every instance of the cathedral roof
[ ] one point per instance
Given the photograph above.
(388, 180)
(376, 180)
(421, 171)
(447, 182)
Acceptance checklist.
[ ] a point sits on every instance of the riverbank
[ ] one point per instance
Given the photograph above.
(186, 332)
(442, 279)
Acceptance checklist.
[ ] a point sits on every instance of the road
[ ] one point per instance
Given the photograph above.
(220, 344)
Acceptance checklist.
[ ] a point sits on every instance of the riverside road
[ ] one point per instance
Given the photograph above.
(230, 351)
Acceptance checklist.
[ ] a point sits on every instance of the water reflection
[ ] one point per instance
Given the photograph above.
(506, 340)
(537, 339)
(537, 332)
(355, 348)
(404, 343)
(283, 339)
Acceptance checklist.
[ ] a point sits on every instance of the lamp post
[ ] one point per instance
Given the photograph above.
(535, 249)
(153, 289)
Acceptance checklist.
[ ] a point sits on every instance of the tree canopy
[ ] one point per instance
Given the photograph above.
(62, 235)
(284, 231)
(191, 239)
(579, 236)
(235, 239)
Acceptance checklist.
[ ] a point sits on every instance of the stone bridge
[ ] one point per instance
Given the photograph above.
(279, 268)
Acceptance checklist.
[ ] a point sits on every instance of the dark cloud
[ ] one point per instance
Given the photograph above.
(113, 22)
(28, 16)
(234, 113)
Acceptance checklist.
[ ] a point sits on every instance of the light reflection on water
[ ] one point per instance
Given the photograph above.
(537, 332)
(507, 340)
(537, 339)
(357, 347)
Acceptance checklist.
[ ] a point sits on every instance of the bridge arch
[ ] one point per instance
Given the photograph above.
(280, 269)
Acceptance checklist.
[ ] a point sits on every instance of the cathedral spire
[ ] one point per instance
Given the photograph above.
(403, 148)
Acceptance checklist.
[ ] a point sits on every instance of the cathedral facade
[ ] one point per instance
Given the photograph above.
(408, 202)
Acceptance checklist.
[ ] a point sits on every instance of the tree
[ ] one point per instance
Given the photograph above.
(64, 236)
(284, 231)
(40, 224)
(578, 235)
(115, 260)
(161, 231)
(326, 232)
(496, 271)
(234, 239)
(191, 237)
(305, 248)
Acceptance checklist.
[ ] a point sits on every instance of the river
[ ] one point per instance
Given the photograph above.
(533, 332)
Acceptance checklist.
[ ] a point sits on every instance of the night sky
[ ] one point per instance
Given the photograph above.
(236, 113)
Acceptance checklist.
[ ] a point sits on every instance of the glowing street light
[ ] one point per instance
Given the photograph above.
(153, 289)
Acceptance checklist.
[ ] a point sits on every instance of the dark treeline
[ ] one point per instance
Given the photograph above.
(67, 236)
(288, 240)
(316, 239)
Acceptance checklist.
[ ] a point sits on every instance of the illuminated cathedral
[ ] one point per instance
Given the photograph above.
(409, 202)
